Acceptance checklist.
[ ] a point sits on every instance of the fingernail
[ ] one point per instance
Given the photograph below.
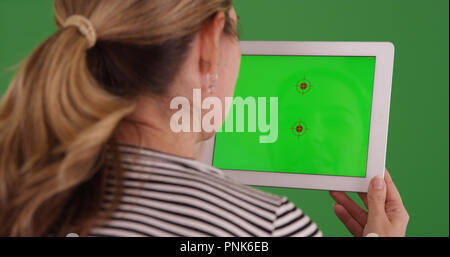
(377, 183)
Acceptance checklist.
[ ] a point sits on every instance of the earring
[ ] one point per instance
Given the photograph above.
(212, 79)
(211, 89)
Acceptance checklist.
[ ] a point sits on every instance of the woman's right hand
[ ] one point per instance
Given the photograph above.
(386, 216)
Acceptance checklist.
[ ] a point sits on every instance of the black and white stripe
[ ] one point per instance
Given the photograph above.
(166, 196)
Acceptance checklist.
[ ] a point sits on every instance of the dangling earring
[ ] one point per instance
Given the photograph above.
(212, 79)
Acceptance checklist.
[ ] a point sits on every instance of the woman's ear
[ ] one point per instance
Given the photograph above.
(210, 36)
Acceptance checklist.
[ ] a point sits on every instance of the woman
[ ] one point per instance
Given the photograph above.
(85, 139)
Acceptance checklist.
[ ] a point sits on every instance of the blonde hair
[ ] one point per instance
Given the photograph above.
(65, 102)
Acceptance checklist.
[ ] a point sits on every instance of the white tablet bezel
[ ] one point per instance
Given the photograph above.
(384, 53)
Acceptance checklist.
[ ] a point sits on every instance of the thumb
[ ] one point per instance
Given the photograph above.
(376, 197)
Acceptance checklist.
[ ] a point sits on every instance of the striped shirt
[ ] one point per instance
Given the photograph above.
(165, 195)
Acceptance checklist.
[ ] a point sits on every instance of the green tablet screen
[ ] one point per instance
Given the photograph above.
(323, 116)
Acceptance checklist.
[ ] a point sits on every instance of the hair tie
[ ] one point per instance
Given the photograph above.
(84, 26)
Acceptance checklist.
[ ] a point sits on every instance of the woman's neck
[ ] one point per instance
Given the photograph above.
(149, 127)
(157, 138)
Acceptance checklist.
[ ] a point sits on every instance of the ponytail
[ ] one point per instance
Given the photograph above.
(55, 121)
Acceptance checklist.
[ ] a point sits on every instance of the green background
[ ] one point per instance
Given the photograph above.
(418, 134)
(335, 114)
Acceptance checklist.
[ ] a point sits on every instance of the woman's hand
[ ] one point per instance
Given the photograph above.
(386, 214)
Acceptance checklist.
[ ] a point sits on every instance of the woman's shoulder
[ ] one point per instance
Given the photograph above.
(288, 219)
(169, 196)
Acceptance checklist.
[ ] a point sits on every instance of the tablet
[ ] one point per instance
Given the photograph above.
(321, 111)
